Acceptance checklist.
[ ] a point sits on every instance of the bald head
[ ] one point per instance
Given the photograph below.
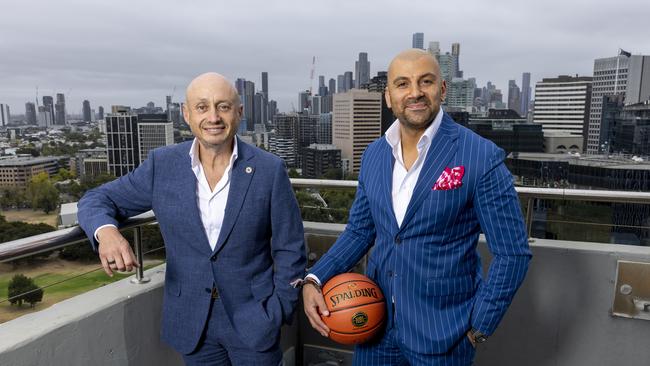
(411, 56)
(208, 81)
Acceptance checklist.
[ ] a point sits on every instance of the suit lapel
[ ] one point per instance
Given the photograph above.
(188, 202)
(388, 162)
(242, 174)
(443, 148)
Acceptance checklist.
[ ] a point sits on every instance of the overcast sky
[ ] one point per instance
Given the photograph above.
(132, 52)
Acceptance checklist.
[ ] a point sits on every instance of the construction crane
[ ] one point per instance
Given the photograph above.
(311, 75)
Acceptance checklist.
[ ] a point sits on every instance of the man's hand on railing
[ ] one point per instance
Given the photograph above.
(114, 251)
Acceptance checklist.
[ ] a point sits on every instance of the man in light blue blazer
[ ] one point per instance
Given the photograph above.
(426, 191)
(232, 230)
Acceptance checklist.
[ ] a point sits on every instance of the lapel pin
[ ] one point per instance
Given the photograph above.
(249, 170)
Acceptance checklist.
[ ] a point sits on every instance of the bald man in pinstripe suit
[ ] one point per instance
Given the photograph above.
(426, 190)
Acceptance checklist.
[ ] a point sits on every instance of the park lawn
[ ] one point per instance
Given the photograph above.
(31, 216)
(59, 292)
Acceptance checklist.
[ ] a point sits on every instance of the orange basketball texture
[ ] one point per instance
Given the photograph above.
(357, 308)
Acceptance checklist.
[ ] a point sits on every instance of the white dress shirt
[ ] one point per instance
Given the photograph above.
(404, 181)
(211, 203)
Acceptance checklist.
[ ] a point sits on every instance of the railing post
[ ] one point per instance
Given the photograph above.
(529, 218)
(137, 243)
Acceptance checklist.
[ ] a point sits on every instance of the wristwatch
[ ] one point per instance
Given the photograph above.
(478, 336)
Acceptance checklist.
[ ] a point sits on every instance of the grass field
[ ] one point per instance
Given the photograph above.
(53, 271)
(31, 217)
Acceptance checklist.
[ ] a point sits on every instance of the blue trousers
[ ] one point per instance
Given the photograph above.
(220, 345)
(388, 351)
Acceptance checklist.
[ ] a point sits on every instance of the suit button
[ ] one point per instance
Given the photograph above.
(390, 273)
(398, 240)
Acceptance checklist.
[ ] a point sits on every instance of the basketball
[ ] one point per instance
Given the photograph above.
(357, 308)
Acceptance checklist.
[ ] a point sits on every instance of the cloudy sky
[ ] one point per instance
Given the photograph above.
(132, 52)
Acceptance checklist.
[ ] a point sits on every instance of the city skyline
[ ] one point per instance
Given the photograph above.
(134, 53)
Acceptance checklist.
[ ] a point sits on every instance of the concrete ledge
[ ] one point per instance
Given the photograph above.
(117, 324)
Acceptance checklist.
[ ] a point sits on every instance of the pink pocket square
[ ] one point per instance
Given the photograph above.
(450, 179)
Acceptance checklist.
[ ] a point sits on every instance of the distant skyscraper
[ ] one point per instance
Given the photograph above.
(362, 70)
(460, 94)
(59, 110)
(356, 122)
(259, 109)
(45, 117)
(100, 114)
(315, 105)
(48, 103)
(562, 104)
(324, 129)
(514, 96)
(246, 90)
(347, 81)
(265, 84)
(303, 101)
(340, 80)
(154, 130)
(322, 89)
(86, 111)
(455, 53)
(5, 115)
(418, 40)
(525, 94)
(332, 86)
(273, 109)
(378, 84)
(434, 49)
(30, 113)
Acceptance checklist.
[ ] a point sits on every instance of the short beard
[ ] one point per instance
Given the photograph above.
(406, 122)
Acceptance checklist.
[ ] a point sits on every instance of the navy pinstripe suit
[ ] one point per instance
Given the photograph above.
(429, 266)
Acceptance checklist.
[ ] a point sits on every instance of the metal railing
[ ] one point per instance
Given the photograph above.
(62, 238)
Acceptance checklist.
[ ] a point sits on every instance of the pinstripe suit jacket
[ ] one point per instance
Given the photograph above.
(429, 265)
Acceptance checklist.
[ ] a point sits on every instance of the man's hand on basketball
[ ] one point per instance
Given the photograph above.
(114, 251)
(315, 307)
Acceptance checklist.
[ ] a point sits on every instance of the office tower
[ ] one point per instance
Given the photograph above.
(332, 86)
(273, 109)
(130, 137)
(347, 81)
(616, 75)
(259, 109)
(460, 94)
(154, 130)
(48, 103)
(447, 67)
(418, 41)
(265, 103)
(30, 113)
(315, 104)
(340, 79)
(246, 91)
(326, 103)
(303, 100)
(5, 116)
(378, 84)
(324, 129)
(514, 96)
(434, 49)
(265, 84)
(86, 111)
(297, 130)
(525, 94)
(59, 110)
(322, 89)
(562, 104)
(45, 117)
(356, 122)
(362, 70)
(455, 53)
(100, 115)
(317, 159)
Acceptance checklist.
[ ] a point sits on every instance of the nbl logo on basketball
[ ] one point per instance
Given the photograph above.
(360, 319)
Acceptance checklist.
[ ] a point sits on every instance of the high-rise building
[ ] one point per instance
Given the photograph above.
(460, 94)
(356, 122)
(514, 96)
(624, 74)
(315, 104)
(265, 103)
(5, 115)
(259, 109)
(361, 70)
(418, 41)
(317, 159)
(300, 129)
(340, 79)
(265, 84)
(332, 86)
(59, 110)
(378, 84)
(154, 130)
(324, 129)
(130, 137)
(273, 109)
(434, 49)
(562, 104)
(48, 103)
(348, 82)
(455, 52)
(632, 132)
(86, 111)
(322, 88)
(303, 101)
(45, 117)
(30, 113)
(246, 91)
(525, 94)
(100, 114)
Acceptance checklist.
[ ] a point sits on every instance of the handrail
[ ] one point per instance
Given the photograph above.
(36, 244)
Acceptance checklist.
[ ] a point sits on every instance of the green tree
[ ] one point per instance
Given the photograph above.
(42, 193)
(23, 289)
(293, 173)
